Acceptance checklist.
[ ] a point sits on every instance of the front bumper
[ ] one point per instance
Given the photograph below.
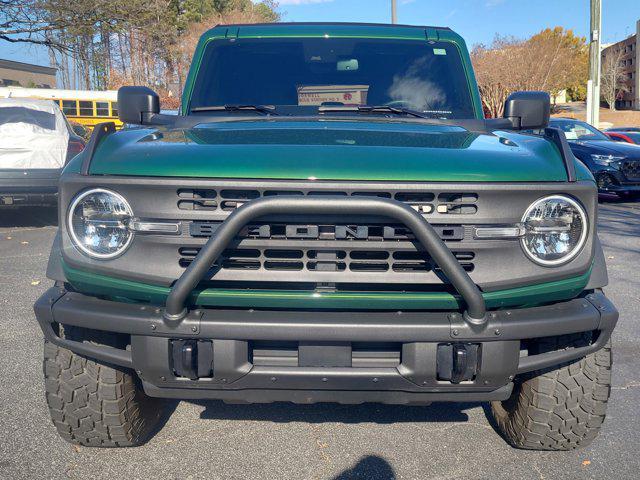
(30, 188)
(621, 188)
(611, 180)
(237, 375)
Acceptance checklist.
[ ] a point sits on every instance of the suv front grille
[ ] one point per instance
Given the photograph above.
(325, 260)
(227, 200)
(326, 250)
(631, 169)
(364, 232)
(346, 252)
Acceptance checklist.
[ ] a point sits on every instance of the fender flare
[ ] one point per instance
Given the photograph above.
(599, 277)
(54, 265)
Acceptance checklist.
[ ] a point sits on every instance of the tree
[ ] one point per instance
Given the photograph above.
(28, 21)
(551, 60)
(102, 44)
(612, 77)
(492, 65)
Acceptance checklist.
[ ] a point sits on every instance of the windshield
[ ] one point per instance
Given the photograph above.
(579, 130)
(305, 73)
(28, 119)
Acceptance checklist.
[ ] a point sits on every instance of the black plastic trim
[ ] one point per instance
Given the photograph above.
(558, 137)
(346, 397)
(608, 320)
(591, 313)
(44, 313)
(599, 276)
(330, 24)
(100, 131)
(54, 265)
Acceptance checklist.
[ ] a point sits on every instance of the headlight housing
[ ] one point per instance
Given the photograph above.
(555, 230)
(607, 160)
(98, 223)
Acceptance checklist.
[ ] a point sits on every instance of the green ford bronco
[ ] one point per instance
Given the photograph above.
(329, 218)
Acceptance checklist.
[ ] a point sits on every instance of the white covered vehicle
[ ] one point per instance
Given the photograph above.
(36, 141)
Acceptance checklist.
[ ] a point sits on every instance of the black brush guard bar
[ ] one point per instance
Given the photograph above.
(424, 233)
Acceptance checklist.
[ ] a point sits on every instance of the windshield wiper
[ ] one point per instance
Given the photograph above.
(374, 109)
(268, 109)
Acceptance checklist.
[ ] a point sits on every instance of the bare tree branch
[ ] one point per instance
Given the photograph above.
(612, 76)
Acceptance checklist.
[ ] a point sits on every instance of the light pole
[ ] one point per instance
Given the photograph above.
(394, 12)
(593, 85)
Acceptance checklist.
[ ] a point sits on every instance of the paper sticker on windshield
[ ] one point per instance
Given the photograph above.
(336, 94)
(439, 51)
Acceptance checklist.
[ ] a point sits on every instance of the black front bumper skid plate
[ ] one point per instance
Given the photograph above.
(239, 380)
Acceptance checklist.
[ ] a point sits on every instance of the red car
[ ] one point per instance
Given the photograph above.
(624, 136)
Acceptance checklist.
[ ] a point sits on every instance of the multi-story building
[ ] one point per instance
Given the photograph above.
(630, 63)
(26, 75)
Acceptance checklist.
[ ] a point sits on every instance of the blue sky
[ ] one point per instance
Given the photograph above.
(476, 20)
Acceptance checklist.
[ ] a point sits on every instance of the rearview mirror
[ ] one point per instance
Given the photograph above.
(528, 110)
(139, 106)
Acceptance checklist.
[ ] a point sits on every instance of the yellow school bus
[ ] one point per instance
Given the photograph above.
(86, 107)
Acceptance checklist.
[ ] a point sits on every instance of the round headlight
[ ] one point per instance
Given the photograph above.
(555, 230)
(98, 223)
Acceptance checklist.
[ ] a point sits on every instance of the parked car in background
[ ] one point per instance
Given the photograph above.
(36, 141)
(624, 136)
(615, 165)
(623, 129)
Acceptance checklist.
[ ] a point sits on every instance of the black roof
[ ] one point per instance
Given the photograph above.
(328, 24)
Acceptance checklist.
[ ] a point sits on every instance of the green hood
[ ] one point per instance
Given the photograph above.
(329, 150)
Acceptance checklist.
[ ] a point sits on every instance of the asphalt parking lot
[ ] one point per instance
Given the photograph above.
(217, 441)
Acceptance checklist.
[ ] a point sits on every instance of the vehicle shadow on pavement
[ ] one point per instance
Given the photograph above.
(606, 199)
(23, 217)
(283, 412)
(619, 222)
(370, 467)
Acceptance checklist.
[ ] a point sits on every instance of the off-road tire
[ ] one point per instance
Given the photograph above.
(94, 404)
(559, 409)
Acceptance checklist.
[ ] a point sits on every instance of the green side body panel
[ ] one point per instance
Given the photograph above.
(328, 150)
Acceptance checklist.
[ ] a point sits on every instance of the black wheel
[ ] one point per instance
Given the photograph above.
(559, 409)
(94, 404)
(605, 182)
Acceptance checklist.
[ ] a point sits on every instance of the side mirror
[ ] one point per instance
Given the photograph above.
(528, 110)
(80, 130)
(139, 106)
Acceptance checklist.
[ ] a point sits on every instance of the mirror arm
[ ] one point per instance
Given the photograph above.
(503, 123)
(151, 118)
(515, 122)
(559, 139)
(100, 131)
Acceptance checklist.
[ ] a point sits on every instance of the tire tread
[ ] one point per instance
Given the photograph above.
(560, 409)
(94, 404)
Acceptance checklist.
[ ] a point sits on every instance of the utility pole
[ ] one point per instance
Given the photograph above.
(394, 12)
(593, 85)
